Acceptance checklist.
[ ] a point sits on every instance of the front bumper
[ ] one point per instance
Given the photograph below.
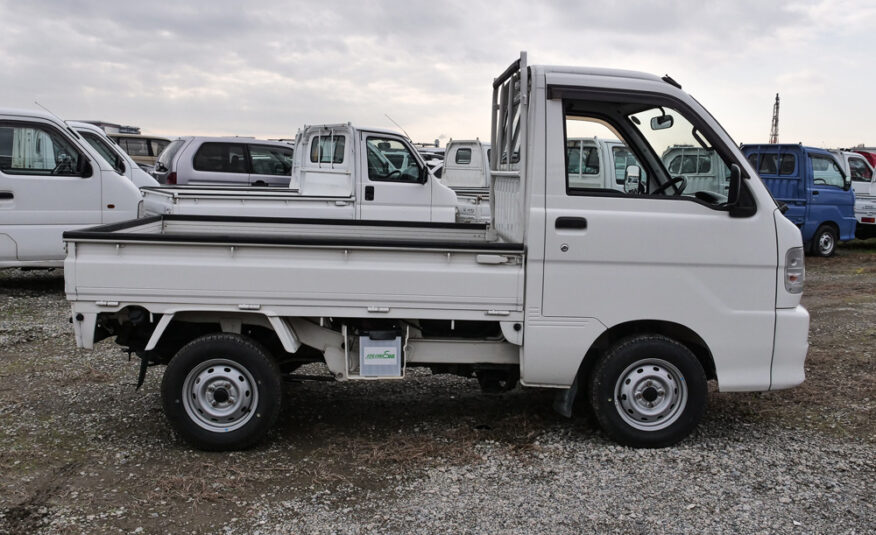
(791, 345)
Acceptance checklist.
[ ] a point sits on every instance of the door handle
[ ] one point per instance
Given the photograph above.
(815, 192)
(6, 195)
(571, 223)
(369, 193)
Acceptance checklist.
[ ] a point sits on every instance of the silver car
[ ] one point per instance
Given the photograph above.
(224, 161)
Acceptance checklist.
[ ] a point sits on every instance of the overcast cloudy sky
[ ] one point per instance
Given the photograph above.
(265, 68)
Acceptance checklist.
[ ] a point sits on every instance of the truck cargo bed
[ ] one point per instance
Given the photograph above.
(299, 266)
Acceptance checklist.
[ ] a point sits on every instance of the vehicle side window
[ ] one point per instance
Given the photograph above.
(221, 157)
(389, 160)
(327, 149)
(157, 145)
(463, 156)
(27, 149)
(787, 164)
(105, 151)
(826, 172)
(859, 170)
(769, 164)
(136, 147)
(752, 159)
(270, 160)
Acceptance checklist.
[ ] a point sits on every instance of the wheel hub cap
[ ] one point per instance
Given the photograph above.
(219, 395)
(650, 394)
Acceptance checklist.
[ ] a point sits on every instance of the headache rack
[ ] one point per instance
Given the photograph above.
(508, 156)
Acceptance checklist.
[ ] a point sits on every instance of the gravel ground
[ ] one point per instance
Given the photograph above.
(81, 451)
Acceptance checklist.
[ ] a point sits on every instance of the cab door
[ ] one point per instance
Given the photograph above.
(660, 256)
(47, 185)
(393, 185)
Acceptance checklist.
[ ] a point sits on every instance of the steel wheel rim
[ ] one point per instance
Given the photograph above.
(650, 394)
(825, 243)
(220, 395)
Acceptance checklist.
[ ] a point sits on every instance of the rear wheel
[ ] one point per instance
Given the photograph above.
(222, 392)
(824, 241)
(648, 392)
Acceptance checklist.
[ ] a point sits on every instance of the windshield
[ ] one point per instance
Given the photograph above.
(105, 150)
(685, 153)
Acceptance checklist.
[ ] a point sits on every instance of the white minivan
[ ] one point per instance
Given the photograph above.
(107, 149)
(224, 161)
(52, 181)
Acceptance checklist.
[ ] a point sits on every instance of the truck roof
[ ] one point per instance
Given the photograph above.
(597, 71)
(777, 146)
(350, 126)
(30, 113)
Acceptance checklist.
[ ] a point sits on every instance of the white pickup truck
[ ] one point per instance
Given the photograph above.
(630, 302)
(52, 180)
(338, 172)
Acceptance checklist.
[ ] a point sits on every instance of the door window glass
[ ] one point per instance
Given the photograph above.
(268, 160)
(859, 170)
(826, 172)
(327, 149)
(106, 152)
(221, 157)
(463, 156)
(391, 160)
(26, 149)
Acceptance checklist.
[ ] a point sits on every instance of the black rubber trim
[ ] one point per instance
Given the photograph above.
(112, 233)
(132, 223)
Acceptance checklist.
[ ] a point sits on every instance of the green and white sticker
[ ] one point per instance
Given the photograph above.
(380, 356)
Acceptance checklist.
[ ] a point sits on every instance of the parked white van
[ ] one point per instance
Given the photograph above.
(224, 161)
(52, 181)
(107, 149)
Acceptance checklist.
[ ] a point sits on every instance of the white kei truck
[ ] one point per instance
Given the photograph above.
(338, 172)
(51, 180)
(627, 302)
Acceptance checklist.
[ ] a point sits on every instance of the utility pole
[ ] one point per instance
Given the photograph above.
(774, 131)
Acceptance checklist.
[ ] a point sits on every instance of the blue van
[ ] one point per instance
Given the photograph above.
(813, 186)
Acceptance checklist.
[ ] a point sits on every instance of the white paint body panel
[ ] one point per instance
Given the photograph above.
(315, 190)
(40, 208)
(674, 261)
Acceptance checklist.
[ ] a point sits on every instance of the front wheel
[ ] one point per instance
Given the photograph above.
(648, 392)
(824, 241)
(222, 392)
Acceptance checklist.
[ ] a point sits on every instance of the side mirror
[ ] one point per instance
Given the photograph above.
(740, 203)
(424, 175)
(632, 178)
(661, 123)
(86, 170)
(847, 183)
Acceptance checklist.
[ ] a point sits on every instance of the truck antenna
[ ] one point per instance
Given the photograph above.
(37, 102)
(398, 125)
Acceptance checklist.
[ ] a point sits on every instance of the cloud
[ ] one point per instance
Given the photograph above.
(266, 68)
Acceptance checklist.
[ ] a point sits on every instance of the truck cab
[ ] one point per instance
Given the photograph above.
(378, 170)
(859, 169)
(52, 181)
(811, 183)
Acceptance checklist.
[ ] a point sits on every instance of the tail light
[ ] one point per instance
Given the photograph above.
(171, 178)
(795, 270)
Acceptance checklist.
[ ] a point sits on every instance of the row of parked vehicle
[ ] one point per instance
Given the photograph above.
(345, 172)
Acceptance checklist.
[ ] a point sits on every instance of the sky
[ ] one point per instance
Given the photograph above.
(264, 69)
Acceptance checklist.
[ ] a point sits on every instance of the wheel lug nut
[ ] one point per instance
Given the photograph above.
(213, 402)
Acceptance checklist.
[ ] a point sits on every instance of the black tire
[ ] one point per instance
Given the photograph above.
(643, 370)
(232, 389)
(824, 241)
